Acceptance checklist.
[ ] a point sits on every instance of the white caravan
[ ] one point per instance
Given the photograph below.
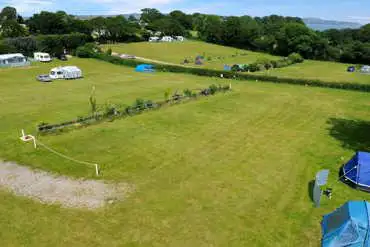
(66, 72)
(42, 57)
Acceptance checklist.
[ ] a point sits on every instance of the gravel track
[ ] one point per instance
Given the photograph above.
(51, 189)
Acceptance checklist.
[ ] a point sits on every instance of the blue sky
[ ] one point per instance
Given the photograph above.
(347, 10)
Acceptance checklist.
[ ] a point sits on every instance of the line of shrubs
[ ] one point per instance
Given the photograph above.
(266, 64)
(112, 111)
(53, 44)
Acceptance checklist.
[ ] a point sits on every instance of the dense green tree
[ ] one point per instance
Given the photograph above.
(149, 15)
(168, 26)
(9, 25)
(11, 28)
(8, 13)
(211, 29)
(185, 20)
(364, 33)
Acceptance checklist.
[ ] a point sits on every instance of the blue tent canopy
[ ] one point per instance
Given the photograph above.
(145, 68)
(348, 226)
(357, 170)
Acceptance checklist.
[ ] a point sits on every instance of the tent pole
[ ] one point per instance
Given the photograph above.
(347, 172)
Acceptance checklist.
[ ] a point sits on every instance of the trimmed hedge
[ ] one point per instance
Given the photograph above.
(238, 76)
(138, 107)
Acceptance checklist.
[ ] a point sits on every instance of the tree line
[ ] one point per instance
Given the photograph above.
(274, 34)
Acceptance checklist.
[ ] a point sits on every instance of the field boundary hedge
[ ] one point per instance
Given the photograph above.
(237, 76)
(111, 112)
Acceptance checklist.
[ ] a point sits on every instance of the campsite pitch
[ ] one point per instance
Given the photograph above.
(215, 56)
(231, 170)
(175, 53)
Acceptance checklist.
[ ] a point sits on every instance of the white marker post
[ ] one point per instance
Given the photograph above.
(96, 169)
(27, 138)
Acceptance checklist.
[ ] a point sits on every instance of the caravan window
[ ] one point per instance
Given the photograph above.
(59, 72)
(52, 72)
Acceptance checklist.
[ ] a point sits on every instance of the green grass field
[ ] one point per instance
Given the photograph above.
(228, 170)
(176, 53)
(325, 71)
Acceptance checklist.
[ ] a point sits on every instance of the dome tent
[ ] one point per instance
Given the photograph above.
(347, 226)
(145, 68)
(357, 171)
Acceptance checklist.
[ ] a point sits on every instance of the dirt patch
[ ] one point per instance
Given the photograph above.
(52, 189)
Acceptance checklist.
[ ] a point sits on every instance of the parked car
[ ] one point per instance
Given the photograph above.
(62, 57)
(44, 78)
(126, 56)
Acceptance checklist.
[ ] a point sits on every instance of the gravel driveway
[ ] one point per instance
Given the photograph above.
(52, 189)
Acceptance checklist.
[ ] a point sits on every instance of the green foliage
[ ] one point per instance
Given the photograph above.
(167, 94)
(109, 51)
(5, 48)
(92, 100)
(56, 23)
(53, 44)
(213, 89)
(296, 58)
(110, 110)
(188, 93)
(89, 50)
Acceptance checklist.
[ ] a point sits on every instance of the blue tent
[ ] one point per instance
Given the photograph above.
(351, 69)
(348, 226)
(144, 68)
(357, 170)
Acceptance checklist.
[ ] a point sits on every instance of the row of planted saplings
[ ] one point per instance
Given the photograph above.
(110, 111)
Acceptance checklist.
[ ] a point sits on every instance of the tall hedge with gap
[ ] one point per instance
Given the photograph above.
(238, 76)
(53, 44)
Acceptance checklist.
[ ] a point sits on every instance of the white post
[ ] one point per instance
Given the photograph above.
(230, 86)
(23, 133)
(34, 142)
(96, 170)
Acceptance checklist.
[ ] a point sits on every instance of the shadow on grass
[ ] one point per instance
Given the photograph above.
(310, 186)
(354, 134)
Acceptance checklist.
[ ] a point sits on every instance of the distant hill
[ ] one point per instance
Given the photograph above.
(320, 24)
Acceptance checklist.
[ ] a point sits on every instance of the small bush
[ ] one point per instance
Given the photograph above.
(188, 93)
(296, 58)
(213, 89)
(87, 51)
(253, 67)
(109, 51)
(139, 104)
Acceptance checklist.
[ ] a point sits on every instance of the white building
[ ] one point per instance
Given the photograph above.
(42, 57)
(13, 60)
(67, 72)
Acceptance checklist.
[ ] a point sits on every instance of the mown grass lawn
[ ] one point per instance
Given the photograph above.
(228, 170)
(325, 71)
(216, 56)
(177, 52)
